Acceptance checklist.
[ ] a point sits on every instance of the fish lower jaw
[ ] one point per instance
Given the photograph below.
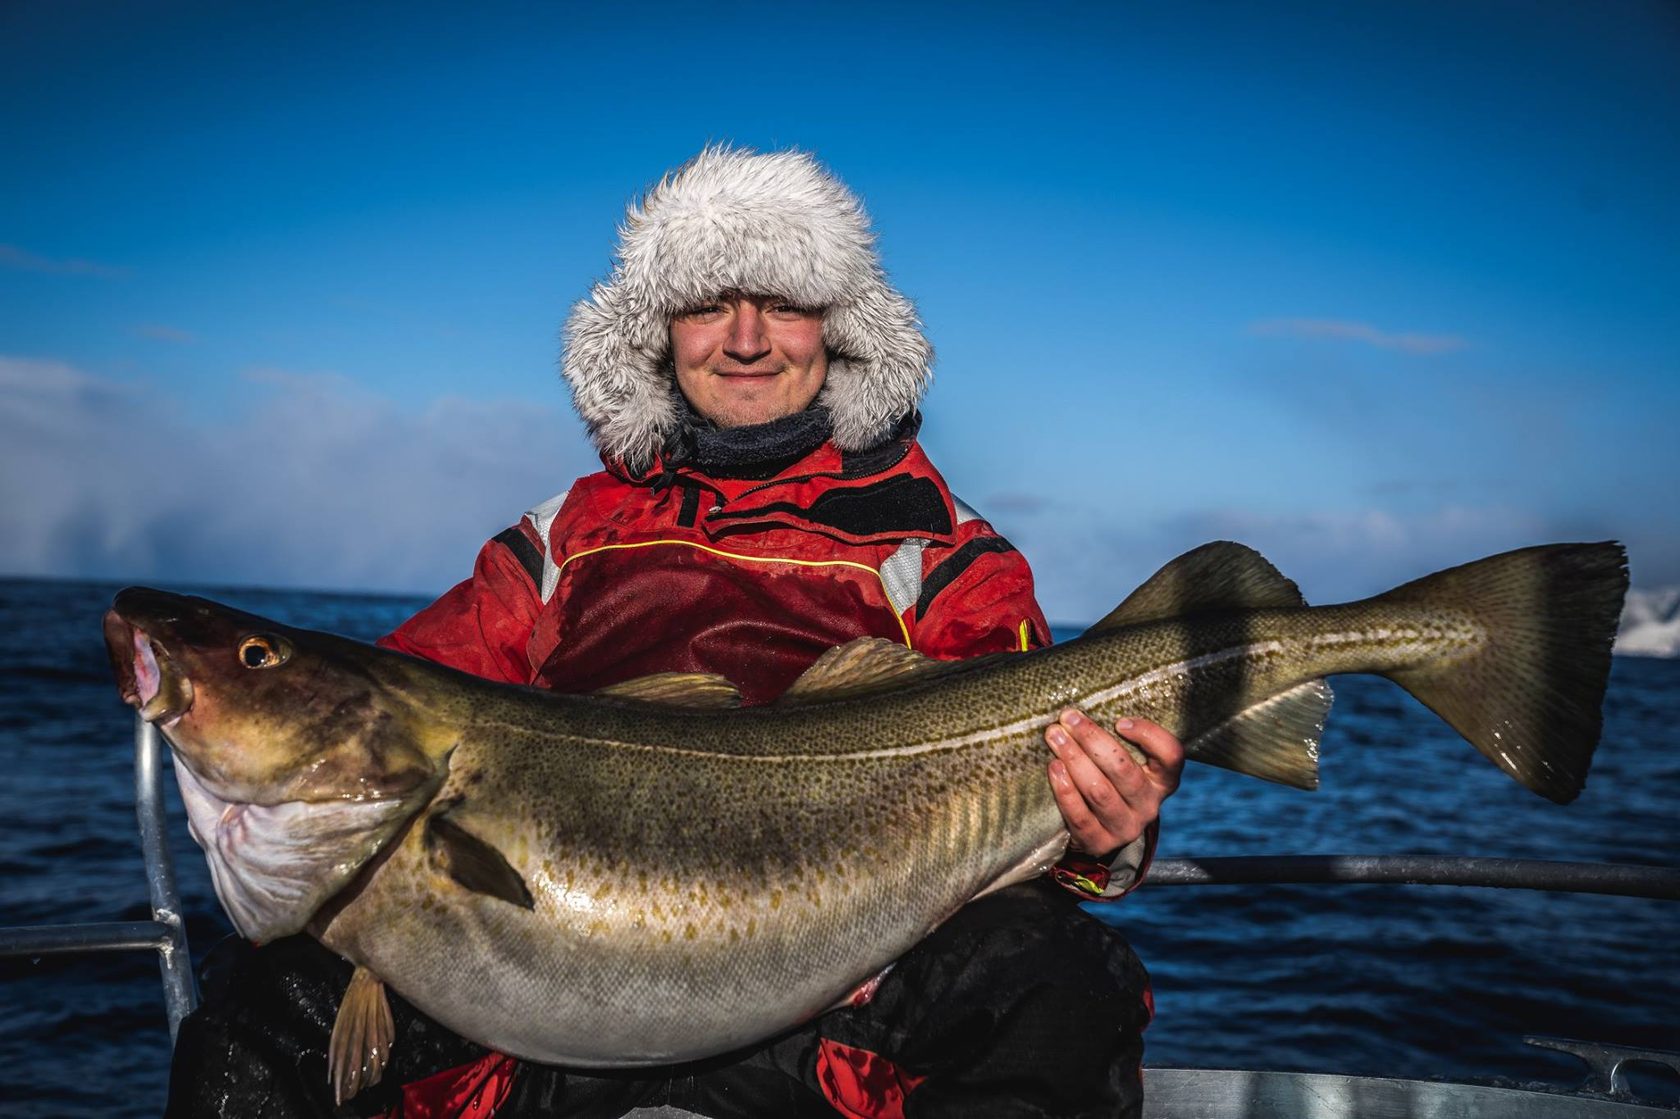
(164, 710)
(157, 692)
(274, 866)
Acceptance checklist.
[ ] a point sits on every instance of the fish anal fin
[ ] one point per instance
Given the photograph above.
(1217, 576)
(361, 1036)
(702, 690)
(472, 863)
(1276, 739)
(859, 667)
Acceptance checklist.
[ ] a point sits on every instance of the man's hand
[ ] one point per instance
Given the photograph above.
(1107, 798)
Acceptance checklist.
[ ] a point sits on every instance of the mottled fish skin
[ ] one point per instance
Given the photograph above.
(749, 868)
(699, 880)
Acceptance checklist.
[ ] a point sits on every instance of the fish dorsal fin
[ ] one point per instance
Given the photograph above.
(1275, 739)
(361, 1036)
(473, 864)
(859, 667)
(1216, 576)
(704, 690)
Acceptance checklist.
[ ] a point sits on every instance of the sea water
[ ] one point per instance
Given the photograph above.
(1375, 980)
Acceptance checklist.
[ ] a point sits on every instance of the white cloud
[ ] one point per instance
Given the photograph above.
(1360, 332)
(315, 482)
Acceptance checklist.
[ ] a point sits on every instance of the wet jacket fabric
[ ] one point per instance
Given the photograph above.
(750, 578)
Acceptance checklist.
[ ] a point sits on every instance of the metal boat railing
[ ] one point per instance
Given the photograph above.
(166, 933)
(1420, 870)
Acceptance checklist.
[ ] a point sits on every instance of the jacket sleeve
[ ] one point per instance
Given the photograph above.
(977, 598)
(483, 625)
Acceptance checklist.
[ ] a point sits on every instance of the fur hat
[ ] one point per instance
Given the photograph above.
(733, 220)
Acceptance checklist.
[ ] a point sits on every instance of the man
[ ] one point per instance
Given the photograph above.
(751, 380)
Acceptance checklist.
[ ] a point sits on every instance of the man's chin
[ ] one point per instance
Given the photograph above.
(746, 413)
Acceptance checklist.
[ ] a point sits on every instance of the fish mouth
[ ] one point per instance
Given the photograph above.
(147, 677)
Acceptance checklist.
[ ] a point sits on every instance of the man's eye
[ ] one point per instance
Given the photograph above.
(701, 310)
(792, 309)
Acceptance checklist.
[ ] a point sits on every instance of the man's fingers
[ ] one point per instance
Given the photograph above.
(1108, 757)
(1106, 797)
(1086, 832)
(1165, 752)
(1098, 817)
(1100, 788)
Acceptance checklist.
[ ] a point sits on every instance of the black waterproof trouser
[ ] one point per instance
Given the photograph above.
(1021, 1004)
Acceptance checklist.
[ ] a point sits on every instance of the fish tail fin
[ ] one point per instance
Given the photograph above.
(1531, 697)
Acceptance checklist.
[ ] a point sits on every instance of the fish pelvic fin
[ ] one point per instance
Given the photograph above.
(1275, 739)
(362, 1034)
(698, 690)
(1530, 696)
(1219, 576)
(472, 863)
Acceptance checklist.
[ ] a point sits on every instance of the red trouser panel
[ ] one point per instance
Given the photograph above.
(470, 1091)
(860, 1084)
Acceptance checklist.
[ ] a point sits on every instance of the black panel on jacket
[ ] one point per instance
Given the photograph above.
(690, 503)
(946, 573)
(524, 551)
(900, 505)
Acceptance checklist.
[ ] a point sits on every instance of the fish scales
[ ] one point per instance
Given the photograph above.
(603, 881)
(706, 802)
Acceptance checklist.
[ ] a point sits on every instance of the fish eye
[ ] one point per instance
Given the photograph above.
(264, 650)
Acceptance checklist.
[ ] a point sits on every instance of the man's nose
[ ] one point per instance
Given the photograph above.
(747, 340)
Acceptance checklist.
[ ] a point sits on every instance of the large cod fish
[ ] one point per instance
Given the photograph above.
(646, 875)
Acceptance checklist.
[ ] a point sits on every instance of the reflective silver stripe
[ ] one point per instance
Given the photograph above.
(542, 519)
(902, 571)
(901, 574)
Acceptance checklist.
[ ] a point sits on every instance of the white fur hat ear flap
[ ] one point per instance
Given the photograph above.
(733, 220)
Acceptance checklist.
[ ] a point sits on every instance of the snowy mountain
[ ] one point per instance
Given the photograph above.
(1650, 623)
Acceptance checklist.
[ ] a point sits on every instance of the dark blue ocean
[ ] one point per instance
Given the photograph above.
(1377, 980)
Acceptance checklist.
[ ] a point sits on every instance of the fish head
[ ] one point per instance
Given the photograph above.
(299, 754)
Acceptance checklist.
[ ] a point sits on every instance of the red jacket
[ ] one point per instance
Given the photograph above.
(751, 579)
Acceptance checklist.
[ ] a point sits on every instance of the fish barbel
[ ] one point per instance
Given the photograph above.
(649, 875)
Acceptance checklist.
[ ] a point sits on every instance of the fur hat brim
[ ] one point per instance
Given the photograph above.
(734, 220)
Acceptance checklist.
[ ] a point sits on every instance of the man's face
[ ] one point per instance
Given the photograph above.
(748, 359)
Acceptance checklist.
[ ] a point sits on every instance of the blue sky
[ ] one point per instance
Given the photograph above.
(1376, 288)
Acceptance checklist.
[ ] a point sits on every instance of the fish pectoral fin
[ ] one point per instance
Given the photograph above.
(866, 665)
(1217, 576)
(1275, 739)
(361, 1036)
(472, 863)
(704, 690)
